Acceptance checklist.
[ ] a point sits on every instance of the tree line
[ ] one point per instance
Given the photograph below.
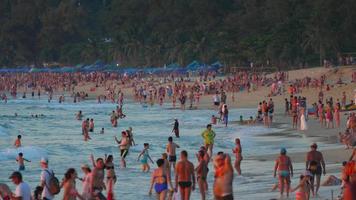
(158, 32)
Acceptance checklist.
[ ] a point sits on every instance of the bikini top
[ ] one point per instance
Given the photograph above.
(162, 176)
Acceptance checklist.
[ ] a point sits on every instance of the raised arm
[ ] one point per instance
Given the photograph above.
(92, 160)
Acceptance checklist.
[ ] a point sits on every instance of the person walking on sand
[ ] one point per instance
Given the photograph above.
(316, 165)
(185, 177)
(171, 151)
(209, 136)
(224, 175)
(285, 171)
(238, 154)
(176, 128)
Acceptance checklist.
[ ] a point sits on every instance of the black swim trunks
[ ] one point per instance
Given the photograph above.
(185, 184)
(172, 158)
(124, 153)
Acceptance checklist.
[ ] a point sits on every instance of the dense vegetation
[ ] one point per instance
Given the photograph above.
(155, 32)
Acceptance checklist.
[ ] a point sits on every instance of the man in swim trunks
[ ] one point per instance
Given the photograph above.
(224, 175)
(21, 161)
(185, 177)
(208, 136)
(285, 170)
(124, 145)
(171, 151)
(316, 165)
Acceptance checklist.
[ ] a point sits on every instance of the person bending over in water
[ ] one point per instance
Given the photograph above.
(285, 170)
(160, 180)
(145, 157)
(238, 153)
(21, 161)
(224, 175)
(185, 177)
(17, 142)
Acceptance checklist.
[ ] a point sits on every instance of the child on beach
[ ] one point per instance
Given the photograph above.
(145, 157)
(20, 160)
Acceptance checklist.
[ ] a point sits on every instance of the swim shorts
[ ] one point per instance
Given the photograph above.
(124, 153)
(185, 184)
(172, 158)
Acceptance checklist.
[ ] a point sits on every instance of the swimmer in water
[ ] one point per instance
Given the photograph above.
(79, 115)
(21, 161)
(145, 156)
(17, 143)
(102, 131)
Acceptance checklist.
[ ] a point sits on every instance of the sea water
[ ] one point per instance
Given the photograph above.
(57, 136)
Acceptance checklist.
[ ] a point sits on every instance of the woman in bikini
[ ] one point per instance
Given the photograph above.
(110, 171)
(285, 170)
(160, 180)
(238, 153)
(337, 114)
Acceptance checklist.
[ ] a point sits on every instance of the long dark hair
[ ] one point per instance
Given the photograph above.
(68, 174)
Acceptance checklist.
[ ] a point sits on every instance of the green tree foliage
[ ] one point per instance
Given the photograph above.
(157, 32)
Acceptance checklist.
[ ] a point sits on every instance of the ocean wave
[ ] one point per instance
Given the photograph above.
(29, 152)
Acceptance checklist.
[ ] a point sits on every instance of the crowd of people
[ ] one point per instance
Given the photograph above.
(171, 174)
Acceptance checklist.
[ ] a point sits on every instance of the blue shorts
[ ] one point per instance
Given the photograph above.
(21, 167)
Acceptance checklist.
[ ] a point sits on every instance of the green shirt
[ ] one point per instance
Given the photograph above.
(208, 136)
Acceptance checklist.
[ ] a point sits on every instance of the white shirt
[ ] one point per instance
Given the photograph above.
(46, 177)
(23, 190)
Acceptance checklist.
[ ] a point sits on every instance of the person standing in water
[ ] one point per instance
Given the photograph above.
(202, 173)
(224, 175)
(285, 171)
(145, 156)
(225, 115)
(171, 151)
(17, 142)
(176, 128)
(91, 125)
(185, 177)
(79, 115)
(238, 153)
(97, 184)
(208, 136)
(21, 161)
(160, 180)
(124, 144)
